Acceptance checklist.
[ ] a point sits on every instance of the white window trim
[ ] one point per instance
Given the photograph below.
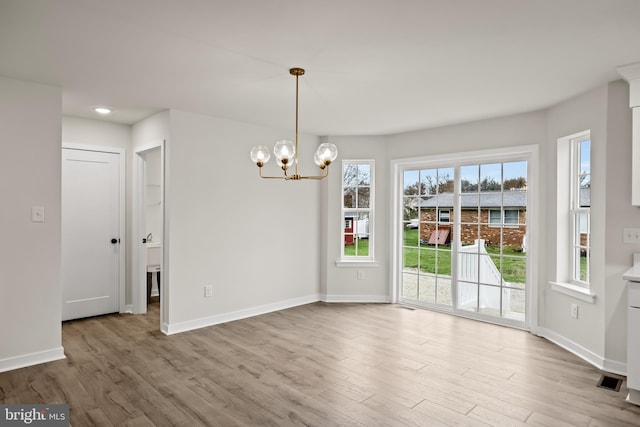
(359, 261)
(564, 245)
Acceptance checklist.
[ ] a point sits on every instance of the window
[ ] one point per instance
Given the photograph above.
(444, 215)
(580, 204)
(573, 220)
(507, 217)
(357, 209)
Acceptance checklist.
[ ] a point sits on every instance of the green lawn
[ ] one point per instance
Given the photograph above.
(363, 248)
(438, 260)
(513, 267)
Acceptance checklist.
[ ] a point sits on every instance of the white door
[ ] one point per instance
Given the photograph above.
(90, 233)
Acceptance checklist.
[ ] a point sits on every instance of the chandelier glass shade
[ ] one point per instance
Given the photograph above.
(286, 152)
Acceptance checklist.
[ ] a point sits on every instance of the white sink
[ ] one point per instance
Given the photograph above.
(154, 253)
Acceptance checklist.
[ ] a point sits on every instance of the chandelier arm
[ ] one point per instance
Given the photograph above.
(296, 160)
(271, 177)
(325, 173)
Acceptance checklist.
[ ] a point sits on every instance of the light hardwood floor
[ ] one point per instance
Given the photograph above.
(321, 365)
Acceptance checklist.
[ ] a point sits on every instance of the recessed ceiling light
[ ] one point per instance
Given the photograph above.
(102, 110)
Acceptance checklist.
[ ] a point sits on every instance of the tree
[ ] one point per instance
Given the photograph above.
(515, 183)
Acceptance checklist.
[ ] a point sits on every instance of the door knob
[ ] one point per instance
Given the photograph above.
(114, 241)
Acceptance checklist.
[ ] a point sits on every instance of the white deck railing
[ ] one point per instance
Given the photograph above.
(475, 267)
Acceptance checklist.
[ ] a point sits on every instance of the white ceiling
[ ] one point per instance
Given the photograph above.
(373, 66)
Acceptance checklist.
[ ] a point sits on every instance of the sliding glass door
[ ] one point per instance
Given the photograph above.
(464, 239)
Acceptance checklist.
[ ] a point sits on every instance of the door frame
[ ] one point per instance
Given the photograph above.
(530, 153)
(122, 229)
(139, 261)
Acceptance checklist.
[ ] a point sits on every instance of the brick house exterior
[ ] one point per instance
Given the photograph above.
(435, 210)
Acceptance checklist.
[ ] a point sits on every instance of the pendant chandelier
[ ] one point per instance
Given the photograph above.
(287, 153)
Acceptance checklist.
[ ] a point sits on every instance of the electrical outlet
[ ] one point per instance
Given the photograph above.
(360, 274)
(631, 236)
(37, 214)
(208, 291)
(574, 311)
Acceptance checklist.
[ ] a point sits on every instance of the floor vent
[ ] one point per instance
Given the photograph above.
(406, 308)
(610, 383)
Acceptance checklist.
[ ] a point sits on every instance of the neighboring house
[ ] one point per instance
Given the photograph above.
(498, 211)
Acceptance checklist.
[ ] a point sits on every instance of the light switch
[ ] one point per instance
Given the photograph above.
(631, 235)
(37, 214)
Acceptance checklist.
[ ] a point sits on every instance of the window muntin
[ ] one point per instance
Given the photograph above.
(580, 209)
(357, 209)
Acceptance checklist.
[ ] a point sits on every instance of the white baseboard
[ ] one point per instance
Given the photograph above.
(128, 309)
(174, 328)
(613, 366)
(30, 359)
(355, 298)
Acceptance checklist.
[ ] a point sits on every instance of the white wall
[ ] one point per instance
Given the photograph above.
(340, 283)
(255, 241)
(99, 133)
(619, 215)
(30, 253)
(587, 111)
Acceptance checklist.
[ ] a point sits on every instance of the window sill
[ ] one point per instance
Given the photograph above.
(357, 264)
(575, 291)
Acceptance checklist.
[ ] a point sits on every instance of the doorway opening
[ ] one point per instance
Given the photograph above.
(149, 242)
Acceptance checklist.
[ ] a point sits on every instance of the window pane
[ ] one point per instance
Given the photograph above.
(410, 286)
(469, 178)
(511, 216)
(411, 183)
(364, 174)
(585, 173)
(582, 229)
(350, 174)
(411, 236)
(491, 177)
(362, 225)
(363, 197)
(428, 181)
(445, 182)
(514, 176)
(349, 200)
(495, 217)
(410, 210)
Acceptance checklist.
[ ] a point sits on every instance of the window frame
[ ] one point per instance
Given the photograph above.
(565, 197)
(448, 215)
(576, 211)
(370, 210)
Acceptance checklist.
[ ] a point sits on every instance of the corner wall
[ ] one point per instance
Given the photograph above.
(340, 284)
(619, 215)
(30, 253)
(255, 241)
(584, 335)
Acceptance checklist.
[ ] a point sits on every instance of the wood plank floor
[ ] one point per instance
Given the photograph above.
(319, 365)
